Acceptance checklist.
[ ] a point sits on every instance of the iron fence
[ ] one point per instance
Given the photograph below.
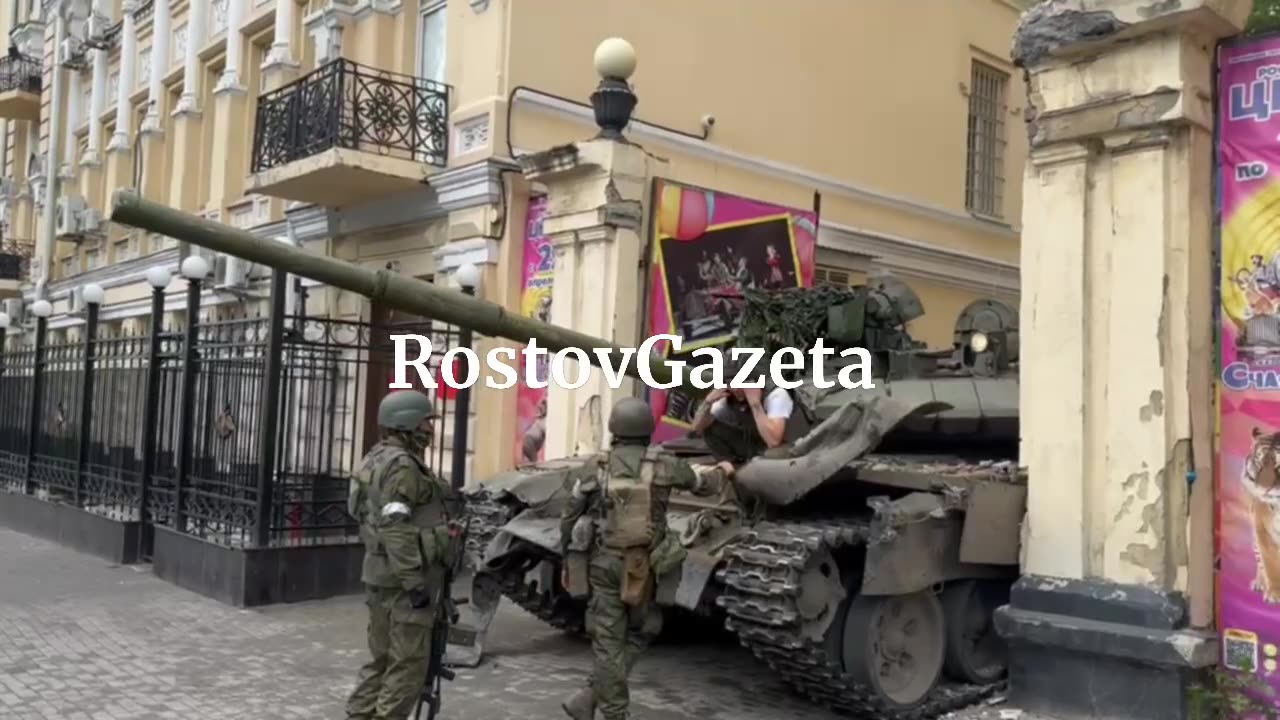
(343, 104)
(175, 423)
(20, 72)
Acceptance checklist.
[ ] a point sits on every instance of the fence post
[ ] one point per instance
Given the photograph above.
(269, 417)
(468, 278)
(158, 278)
(37, 391)
(194, 272)
(93, 299)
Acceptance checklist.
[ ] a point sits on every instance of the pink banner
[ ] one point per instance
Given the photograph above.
(1248, 485)
(535, 302)
(707, 246)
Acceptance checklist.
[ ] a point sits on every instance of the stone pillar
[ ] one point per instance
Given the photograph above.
(187, 117)
(1117, 349)
(596, 195)
(119, 152)
(281, 65)
(97, 106)
(471, 240)
(191, 74)
(75, 115)
(153, 124)
(235, 46)
(229, 128)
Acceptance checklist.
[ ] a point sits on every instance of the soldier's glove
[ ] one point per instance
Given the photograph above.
(419, 598)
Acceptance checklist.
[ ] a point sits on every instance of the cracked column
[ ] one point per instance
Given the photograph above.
(1113, 615)
(596, 195)
(187, 117)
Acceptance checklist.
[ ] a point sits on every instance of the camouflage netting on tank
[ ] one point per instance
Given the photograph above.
(793, 317)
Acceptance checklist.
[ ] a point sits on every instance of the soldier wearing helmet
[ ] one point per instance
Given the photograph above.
(403, 511)
(618, 550)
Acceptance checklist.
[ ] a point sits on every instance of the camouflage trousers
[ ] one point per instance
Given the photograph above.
(389, 685)
(619, 634)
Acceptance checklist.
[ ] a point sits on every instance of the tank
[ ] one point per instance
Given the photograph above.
(903, 504)
(862, 563)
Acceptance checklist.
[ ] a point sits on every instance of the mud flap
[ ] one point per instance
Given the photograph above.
(853, 431)
(467, 636)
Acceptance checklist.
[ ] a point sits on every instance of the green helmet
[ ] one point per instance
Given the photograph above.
(631, 418)
(404, 410)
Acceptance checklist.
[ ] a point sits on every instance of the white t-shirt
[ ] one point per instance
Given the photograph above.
(777, 404)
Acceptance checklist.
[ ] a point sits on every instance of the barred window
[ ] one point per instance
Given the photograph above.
(984, 172)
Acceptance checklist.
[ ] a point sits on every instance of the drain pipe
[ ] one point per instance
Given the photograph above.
(49, 214)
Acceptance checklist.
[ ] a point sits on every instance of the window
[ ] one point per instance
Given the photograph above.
(984, 172)
(431, 42)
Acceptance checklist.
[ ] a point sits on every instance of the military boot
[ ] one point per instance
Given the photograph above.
(581, 705)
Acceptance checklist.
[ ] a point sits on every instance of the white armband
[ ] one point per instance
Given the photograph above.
(395, 508)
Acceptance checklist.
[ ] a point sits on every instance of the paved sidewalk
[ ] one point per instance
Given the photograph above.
(81, 639)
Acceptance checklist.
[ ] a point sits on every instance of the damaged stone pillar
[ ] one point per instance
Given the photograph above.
(1111, 617)
(597, 193)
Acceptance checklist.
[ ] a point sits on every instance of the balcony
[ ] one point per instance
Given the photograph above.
(20, 80)
(346, 133)
(15, 265)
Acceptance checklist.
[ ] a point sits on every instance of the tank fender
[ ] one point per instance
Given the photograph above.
(849, 433)
(914, 544)
(529, 526)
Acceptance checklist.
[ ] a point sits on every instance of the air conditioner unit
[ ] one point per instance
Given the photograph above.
(231, 272)
(14, 308)
(91, 220)
(76, 300)
(96, 29)
(70, 209)
(71, 54)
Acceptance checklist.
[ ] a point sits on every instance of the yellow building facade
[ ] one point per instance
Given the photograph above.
(386, 132)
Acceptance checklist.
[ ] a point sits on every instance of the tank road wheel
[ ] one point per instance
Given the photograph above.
(821, 596)
(975, 651)
(895, 645)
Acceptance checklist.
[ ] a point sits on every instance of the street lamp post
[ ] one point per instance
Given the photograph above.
(93, 295)
(5, 320)
(158, 278)
(468, 277)
(194, 268)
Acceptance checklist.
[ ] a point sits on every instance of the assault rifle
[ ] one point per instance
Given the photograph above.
(446, 615)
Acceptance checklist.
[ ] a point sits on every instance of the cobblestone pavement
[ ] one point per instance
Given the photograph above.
(81, 639)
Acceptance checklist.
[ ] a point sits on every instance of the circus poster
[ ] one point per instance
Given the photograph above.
(535, 302)
(706, 247)
(1248, 484)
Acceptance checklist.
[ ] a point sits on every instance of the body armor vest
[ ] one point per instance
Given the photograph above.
(366, 502)
(735, 437)
(631, 502)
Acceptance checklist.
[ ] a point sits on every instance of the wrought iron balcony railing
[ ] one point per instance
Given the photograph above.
(347, 105)
(15, 258)
(20, 72)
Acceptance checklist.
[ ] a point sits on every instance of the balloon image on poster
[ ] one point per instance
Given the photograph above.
(706, 247)
(1248, 487)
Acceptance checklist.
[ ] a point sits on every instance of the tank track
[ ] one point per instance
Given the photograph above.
(761, 586)
(487, 518)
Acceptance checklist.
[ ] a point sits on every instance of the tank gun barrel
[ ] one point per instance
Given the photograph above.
(384, 286)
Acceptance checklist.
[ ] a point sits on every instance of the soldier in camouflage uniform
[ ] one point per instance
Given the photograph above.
(614, 531)
(403, 511)
(739, 424)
